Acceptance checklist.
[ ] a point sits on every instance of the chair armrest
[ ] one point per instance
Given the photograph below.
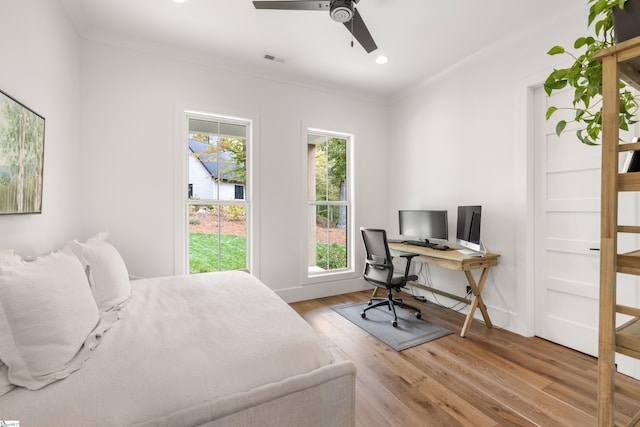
(408, 255)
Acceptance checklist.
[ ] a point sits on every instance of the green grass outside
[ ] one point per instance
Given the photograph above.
(203, 253)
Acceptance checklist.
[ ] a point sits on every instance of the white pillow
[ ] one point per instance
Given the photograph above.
(5, 385)
(105, 269)
(46, 314)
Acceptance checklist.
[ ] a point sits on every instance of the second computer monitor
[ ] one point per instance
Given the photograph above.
(468, 230)
(423, 224)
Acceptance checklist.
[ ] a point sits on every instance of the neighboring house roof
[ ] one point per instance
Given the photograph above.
(208, 161)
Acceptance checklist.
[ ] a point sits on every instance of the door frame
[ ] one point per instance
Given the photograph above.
(525, 206)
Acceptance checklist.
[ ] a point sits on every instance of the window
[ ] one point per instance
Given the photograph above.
(239, 192)
(329, 203)
(216, 208)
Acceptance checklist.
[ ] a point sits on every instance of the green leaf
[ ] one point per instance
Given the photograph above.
(560, 126)
(554, 85)
(556, 50)
(585, 139)
(560, 74)
(623, 124)
(550, 111)
(580, 41)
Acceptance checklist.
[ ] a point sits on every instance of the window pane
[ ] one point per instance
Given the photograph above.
(330, 238)
(330, 167)
(217, 238)
(217, 159)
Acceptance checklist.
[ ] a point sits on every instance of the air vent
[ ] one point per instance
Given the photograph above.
(271, 57)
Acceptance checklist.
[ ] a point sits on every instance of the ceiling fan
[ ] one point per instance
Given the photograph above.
(343, 11)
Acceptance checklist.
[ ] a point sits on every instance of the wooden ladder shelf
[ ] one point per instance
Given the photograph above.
(618, 62)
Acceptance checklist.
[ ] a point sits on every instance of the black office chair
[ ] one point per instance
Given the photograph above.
(379, 270)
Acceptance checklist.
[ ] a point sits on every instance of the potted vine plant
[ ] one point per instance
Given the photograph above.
(585, 74)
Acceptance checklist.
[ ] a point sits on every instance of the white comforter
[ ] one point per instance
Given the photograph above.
(181, 342)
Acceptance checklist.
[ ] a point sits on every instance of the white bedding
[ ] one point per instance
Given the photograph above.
(181, 342)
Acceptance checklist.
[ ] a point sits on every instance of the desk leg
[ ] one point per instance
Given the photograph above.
(373, 295)
(477, 302)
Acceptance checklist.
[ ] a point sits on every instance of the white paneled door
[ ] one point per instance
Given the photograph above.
(567, 235)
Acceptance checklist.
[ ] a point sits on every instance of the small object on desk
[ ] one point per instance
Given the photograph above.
(441, 248)
(420, 298)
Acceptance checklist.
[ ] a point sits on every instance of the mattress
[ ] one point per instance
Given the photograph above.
(184, 345)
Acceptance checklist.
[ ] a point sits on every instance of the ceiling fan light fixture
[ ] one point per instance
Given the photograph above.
(341, 10)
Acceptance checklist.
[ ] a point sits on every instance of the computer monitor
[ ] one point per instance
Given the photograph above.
(423, 224)
(468, 230)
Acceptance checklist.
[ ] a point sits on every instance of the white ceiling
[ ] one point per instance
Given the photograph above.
(420, 37)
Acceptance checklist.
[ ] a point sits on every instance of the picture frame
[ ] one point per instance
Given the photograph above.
(21, 157)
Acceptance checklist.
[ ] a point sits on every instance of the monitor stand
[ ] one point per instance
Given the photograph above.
(425, 244)
(471, 252)
(428, 244)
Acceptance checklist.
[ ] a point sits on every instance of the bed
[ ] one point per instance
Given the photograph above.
(212, 349)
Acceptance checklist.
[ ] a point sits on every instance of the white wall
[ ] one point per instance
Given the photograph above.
(40, 68)
(128, 145)
(460, 139)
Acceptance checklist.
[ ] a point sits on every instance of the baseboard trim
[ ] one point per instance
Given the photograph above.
(321, 290)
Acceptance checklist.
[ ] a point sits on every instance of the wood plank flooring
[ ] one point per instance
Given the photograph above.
(490, 378)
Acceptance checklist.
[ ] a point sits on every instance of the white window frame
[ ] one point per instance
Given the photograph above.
(348, 272)
(183, 112)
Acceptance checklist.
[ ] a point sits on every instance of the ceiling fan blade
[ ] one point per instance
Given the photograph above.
(293, 4)
(359, 30)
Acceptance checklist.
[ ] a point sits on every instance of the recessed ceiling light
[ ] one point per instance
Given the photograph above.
(382, 59)
(180, 1)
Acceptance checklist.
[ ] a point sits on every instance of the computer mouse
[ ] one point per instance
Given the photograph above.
(445, 248)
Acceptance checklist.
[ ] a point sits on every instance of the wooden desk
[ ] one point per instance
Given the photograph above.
(454, 260)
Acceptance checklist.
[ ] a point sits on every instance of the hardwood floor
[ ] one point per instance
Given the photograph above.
(490, 378)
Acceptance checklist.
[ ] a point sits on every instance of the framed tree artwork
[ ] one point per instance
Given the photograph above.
(21, 158)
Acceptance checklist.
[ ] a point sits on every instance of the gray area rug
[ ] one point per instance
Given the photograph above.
(409, 332)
